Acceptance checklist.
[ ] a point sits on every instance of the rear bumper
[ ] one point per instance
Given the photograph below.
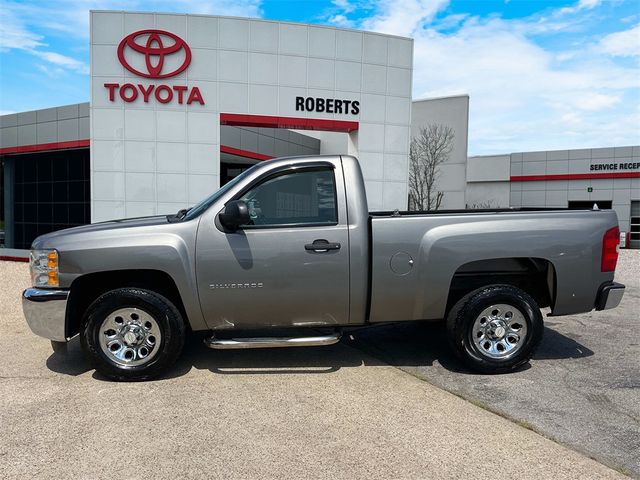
(45, 311)
(609, 296)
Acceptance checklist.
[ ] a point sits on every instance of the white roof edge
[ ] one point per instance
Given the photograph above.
(444, 97)
(46, 108)
(487, 156)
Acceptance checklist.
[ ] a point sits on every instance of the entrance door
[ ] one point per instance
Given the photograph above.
(276, 270)
(2, 237)
(588, 204)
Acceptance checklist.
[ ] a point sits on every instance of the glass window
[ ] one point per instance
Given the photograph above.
(207, 202)
(300, 198)
(51, 192)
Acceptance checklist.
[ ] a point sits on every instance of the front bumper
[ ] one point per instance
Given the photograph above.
(45, 311)
(609, 296)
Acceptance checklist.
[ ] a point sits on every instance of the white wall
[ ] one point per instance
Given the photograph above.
(488, 195)
(502, 179)
(149, 157)
(488, 168)
(488, 181)
(558, 193)
(453, 112)
(331, 143)
(336, 143)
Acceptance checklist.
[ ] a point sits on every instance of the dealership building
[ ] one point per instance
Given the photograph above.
(180, 104)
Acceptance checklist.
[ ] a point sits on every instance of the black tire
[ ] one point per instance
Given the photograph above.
(164, 313)
(462, 317)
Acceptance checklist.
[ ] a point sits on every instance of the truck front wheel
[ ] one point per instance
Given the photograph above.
(132, 334)
(495, 329)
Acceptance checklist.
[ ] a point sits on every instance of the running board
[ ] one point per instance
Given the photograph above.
(271, 342)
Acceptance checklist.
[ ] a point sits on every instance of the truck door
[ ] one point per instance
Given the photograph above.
(290, 265)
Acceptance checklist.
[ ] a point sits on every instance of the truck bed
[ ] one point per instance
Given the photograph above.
(415, 255)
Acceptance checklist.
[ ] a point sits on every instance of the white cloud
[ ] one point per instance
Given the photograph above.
(341, 20)
(16, 35)
(344, 5)
(62, 61)
(402, 17)
(588, 4)
(452, 21)
(13, 34)
(51, 71)
(622, 44)
(581, 5)
(571, 118)
(597, 101)
(522, 95)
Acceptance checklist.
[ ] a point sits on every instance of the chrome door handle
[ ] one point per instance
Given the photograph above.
(321, 246)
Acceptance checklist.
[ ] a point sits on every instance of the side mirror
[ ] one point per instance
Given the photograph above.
(235, 213)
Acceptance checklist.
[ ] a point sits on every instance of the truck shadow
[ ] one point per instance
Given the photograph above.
(401, 345)
(70, 361)
(278, 361)
(267, 361)
(423, 344)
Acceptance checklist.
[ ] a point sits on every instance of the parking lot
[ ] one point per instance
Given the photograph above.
(328, 412)
(582, 388)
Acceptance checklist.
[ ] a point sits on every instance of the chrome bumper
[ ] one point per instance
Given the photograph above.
(45, 311)
(610, 296)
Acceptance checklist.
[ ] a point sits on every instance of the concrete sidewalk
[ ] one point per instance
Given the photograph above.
(329, 412)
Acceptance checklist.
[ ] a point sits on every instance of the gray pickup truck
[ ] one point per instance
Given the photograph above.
(290, 246)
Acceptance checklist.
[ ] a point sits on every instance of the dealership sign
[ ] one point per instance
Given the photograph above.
(155, 54)
(615, 166)
(327, 105)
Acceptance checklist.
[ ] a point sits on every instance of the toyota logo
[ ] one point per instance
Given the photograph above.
(154, 51)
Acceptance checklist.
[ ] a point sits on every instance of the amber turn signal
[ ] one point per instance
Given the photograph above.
(52, 260)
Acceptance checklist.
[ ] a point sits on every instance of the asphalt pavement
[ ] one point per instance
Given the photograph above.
(328, 412)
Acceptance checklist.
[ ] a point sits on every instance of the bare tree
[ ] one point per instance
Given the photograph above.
(428, 150)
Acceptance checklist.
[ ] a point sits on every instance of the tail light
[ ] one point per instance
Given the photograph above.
(610, 247)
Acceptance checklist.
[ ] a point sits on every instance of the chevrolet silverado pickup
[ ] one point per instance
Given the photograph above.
(290, 246)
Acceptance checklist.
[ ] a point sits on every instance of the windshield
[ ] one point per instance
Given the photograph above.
(197, 209)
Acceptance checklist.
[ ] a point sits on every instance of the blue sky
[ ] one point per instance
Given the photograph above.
(540, 74)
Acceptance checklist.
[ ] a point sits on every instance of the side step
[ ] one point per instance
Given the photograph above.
(271, 342)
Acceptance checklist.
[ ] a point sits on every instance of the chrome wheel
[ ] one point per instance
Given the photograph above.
(130, 337)
(499, 331)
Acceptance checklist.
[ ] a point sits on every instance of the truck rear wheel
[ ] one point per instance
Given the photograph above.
(132, 334)
(495, 329)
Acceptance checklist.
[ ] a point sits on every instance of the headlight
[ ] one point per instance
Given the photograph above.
(44, 268)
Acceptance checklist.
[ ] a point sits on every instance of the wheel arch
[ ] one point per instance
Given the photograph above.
(87, 288)
(536, 276)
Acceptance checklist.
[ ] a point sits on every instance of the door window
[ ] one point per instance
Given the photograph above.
(299, 198)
